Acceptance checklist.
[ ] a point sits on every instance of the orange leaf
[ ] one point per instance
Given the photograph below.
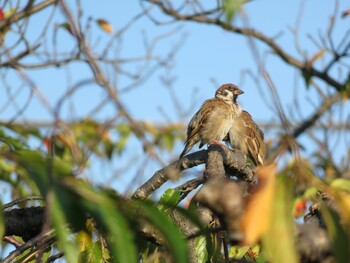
(256, 218)
(300, 207)
(47, 142)
(104, 25)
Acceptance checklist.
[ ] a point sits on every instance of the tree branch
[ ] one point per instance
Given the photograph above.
(26, 12)
(303, 66)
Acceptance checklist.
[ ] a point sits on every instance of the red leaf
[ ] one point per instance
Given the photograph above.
(2, 15)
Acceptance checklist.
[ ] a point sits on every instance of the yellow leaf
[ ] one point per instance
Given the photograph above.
(104, 25)
(84, 240)
(10, 12)
(342, 199)
(150, 128)
(256, 218)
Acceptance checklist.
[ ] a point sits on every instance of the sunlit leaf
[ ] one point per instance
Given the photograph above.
(168, 200)
(255, 255)
(93, 253)
(4, 30)
(231, 7)
(311, 192)
(201, 249)
(150, 128)
(10, 12)
(257, 216)
(168, 141)
(104, 25)
(238, 252)
(278, 240)
(341, 183)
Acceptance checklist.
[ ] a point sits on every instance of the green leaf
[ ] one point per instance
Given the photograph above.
(231, 7)
(67, 27)
(238, 252)
(93, 253)
(278, 241)
(337, 234)
(307, 77)
(341, 183)
(108, 148)
(175, 242)
(168, 200)
(23, 130)
(310, 192)
(115, 224)
(124, 131)
(168, 141)
(13, 143)
(41, 167)
(201, 249)
(2, 222)
(60, 224)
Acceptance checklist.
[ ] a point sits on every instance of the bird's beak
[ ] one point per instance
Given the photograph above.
(238, 92)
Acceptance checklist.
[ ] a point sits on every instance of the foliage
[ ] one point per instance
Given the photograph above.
(87, 221)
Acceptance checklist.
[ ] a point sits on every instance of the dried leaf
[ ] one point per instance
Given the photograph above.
(104, 25)
(315, 57)
(256, 218)
(345, 13)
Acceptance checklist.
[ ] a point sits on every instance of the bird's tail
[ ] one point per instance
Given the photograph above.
(181, 157)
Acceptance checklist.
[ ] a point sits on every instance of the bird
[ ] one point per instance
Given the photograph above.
(245, 135)
(213, 121)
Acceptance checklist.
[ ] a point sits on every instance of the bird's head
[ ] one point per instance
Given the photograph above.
(228, 92)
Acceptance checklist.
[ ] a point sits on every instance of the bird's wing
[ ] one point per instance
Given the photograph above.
(254, 138)
(198, 120)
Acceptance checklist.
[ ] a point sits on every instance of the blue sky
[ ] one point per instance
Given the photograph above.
(207, 57)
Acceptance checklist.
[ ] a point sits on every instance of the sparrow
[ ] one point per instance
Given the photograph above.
(213, 121)
(245, 135)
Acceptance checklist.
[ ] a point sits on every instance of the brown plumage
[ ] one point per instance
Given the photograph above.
(246, 136)
(214, 119)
